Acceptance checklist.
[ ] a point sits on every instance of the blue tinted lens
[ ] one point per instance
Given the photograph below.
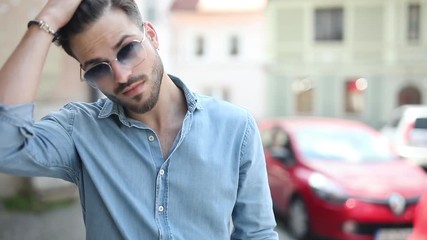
(98, 72)
(129, 52)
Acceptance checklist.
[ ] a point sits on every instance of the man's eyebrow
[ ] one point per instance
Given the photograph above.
(120, 42)
(98, 60)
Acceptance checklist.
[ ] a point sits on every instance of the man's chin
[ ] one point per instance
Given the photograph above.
(138, 107)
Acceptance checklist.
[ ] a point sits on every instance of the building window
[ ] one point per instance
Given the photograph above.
(355, 95)
(410, 95)
(200, 46)
(414, 19)
(329, 24)
(303, 90)
(234, 45)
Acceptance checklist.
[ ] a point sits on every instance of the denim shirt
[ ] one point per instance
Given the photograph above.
(212, 186)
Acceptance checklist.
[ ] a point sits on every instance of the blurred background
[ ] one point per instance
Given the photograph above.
(352, 59)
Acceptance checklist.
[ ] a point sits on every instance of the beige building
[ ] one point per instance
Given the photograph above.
(60, 81)
(346, 58)
(218, 48)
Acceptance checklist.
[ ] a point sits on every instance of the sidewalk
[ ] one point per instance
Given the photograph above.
(59, 224)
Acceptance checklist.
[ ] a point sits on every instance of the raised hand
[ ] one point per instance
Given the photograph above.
(20, 75)
(57, 13)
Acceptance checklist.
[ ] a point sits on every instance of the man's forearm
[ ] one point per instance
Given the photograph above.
(20, 75)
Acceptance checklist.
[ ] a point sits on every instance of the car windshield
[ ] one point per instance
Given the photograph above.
(343, 144)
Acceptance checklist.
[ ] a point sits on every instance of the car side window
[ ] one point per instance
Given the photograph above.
(277, 142)
(421, 123)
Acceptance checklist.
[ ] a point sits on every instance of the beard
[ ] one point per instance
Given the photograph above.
(136, 105)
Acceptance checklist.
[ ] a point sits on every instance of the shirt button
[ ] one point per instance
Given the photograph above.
(151, 138)
(161, 208)
(162, 172)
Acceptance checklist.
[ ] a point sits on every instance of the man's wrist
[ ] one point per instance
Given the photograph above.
(45, 27)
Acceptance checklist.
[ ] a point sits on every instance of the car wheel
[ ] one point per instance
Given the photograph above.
(298, 220)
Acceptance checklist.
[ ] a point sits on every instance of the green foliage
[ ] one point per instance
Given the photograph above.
(30, 203)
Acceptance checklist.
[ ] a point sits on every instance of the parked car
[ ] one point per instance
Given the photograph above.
(420, 222)
(339, 179)
(407, 129)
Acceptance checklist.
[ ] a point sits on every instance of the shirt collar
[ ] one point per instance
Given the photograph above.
(112, 108)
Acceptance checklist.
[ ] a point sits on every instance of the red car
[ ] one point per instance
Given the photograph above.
(339, 179)
(420, 222)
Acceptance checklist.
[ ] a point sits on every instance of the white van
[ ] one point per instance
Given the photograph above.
(407, 129)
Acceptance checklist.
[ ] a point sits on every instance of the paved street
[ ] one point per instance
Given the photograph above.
(65, 224)
(281, 230)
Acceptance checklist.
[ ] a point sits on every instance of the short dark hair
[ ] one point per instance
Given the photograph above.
(91, 10)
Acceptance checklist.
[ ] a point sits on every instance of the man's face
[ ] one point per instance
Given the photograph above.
(121, 60)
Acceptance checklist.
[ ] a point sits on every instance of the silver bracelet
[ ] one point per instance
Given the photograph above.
(45, 27)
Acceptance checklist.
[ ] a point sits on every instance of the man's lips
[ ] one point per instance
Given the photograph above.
(133, 89)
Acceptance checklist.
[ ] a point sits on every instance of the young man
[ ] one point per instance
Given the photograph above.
(153, 160)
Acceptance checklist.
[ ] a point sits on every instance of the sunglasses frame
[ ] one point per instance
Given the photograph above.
(108, 63)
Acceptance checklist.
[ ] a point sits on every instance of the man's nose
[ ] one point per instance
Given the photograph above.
(121, 73)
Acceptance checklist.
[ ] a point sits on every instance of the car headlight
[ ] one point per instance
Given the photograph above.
(327, 189)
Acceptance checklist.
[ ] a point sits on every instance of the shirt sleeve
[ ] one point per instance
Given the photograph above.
(253, 216)
(44, 148)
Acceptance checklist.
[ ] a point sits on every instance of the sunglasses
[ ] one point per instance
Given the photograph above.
(130, 55)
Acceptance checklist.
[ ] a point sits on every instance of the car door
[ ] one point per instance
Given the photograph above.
(279, 160)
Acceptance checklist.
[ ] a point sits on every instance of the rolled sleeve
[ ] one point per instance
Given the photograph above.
(15, 124)
(28, 148)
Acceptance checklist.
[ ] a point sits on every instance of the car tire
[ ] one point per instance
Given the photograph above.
(298, 220)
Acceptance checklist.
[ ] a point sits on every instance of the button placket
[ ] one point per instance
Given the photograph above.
(162, 192)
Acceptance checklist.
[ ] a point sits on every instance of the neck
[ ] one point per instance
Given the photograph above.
(169, 111)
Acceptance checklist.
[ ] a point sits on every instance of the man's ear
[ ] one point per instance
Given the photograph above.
(151, 33)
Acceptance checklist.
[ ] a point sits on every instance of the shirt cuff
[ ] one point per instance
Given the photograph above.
(21, 111)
